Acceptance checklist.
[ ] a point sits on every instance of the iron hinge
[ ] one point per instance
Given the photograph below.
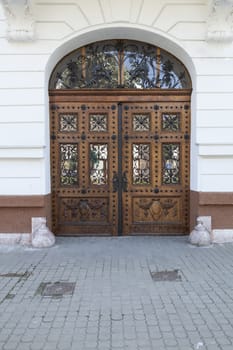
(53, 107)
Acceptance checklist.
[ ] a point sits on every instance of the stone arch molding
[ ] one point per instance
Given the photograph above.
(118, 31)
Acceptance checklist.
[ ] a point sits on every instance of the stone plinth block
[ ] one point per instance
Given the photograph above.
(15, 238)
(222, 236)
(42, 237)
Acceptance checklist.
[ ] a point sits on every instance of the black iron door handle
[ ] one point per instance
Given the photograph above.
(115, 182)
(124, 182)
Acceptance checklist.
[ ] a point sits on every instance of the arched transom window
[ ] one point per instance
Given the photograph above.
(120, 64)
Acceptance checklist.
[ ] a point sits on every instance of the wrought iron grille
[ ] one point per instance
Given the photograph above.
(120, 64)
(171, 163)
(68, 164)
(141, 164)
(98, 164)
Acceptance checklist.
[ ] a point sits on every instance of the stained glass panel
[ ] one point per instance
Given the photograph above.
(141, 122)
(98, 122)
(68, 122)
(98, 164)
(170, 122)
(68, 164)
(141, 164)
(171, 163)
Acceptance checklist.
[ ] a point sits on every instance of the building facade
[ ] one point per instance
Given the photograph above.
(37, 38)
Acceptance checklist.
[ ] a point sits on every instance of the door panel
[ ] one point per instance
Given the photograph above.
(156, 161)
(84, 152)
(120, 168)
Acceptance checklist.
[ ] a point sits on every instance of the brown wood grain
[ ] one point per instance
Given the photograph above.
(154, 208)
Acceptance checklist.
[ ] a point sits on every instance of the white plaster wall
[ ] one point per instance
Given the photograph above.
(178, 26)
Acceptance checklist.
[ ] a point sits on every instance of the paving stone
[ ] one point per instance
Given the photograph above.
(10, 345)
(25, 346)
(170, 342)
(157, 343)
(223, 341)
(116, 304)
(90, 344)
(103, 346)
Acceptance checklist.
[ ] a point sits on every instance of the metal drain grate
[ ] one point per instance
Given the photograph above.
(170, 276)
(57, 289)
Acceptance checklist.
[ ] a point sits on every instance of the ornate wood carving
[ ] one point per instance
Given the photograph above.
(153, 209)
(130, 173)
(84, 210)
(20, 19)
(220, 21)
(158, 180)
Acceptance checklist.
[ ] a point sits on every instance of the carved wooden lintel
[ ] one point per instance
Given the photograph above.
(20, 20)
(220, 21)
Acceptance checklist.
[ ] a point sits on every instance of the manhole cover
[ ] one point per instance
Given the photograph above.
(56, 289)
(169, 276)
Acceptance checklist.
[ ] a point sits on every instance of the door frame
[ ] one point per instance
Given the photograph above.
(120, 95)
(117, 96)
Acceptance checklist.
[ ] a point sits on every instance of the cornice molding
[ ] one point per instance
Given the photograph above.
(220, 21)
(20, 20)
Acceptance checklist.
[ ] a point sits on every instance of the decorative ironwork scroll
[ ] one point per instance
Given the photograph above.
(141, 164)
(98, 122)
(141, 122)
(68, 122)
(98, 164)
(171, 163)
(68, 164)
(120, 64)
(170, 122)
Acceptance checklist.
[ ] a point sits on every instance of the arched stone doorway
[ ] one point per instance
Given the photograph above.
(120, 141)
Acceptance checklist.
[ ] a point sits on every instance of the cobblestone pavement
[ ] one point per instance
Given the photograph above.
(115, 303)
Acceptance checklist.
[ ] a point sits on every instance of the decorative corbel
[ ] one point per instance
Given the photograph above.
(220, 21)
(20, 20)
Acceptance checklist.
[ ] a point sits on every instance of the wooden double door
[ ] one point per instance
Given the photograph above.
(120, 163)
